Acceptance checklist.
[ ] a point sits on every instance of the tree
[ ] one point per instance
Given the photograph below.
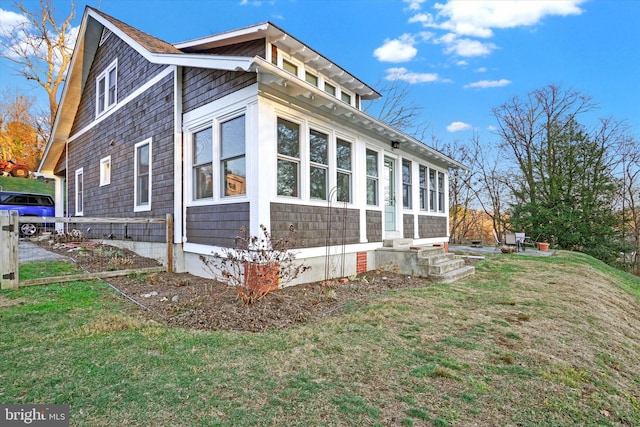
(398, 110)
(41, 48)
(20, 139)
(565, 189)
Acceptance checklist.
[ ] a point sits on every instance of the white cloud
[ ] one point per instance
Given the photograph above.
(414, 4)
(483, 84)
(492, 128)
(478, 18)
(405, 75)
(458, 126)
(11, 22)
(465, 47)
(397, 50)
(480, 70)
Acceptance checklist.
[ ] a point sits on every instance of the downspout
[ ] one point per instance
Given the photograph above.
(179, 228)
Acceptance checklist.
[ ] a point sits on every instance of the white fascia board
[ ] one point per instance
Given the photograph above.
(214, 62)
(222, 36)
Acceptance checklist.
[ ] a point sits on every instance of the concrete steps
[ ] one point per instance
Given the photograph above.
(431, 261)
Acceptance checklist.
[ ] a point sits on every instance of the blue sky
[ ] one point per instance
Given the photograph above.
(461, 58)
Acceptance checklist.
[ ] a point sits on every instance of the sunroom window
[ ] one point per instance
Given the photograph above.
(202, 160)
(343, 163)
(288, 169)
(232, 157)
(406, 184)
(372, 177)
(319, 165)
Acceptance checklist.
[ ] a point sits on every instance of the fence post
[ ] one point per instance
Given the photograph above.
(9, 249)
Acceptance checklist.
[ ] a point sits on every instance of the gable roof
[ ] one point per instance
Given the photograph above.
(190, 54)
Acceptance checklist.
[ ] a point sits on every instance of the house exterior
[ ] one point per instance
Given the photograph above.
(243, 128)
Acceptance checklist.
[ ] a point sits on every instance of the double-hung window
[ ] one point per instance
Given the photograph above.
(432, 190)
(142, 173)
(107, 88)
(406, 184)
(440, 192)
(232, 156)
(319, 164)
(80, 191)
(372, 177)
(343, 164)
(288, 169)
(202, 161)
(424, 191)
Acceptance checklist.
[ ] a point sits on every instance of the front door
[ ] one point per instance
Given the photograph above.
(389, 191)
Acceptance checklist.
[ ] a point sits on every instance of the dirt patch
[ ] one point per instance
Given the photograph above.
(185, 300)
(8, 302)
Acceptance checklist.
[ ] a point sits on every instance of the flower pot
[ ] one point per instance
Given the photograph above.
(507, 250)
(543, 246)
(260, 279)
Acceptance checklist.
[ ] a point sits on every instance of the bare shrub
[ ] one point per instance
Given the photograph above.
(257, 265)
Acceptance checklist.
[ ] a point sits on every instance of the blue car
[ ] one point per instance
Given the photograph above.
(28, 204)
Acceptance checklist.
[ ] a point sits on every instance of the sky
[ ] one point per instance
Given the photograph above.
(460, 59)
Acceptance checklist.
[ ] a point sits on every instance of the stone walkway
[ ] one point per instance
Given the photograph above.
(485, 250)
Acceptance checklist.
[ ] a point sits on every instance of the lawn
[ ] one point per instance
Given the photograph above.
(526, 341)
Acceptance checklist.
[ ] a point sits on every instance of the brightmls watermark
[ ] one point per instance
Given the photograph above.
(34, 415)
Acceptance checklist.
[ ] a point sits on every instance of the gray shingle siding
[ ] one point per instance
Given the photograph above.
(201, 86)
(408, 226)
(432, 226)
(216, 225)
(315, 226)
(374, 226)
(133, 71)
(151, 115)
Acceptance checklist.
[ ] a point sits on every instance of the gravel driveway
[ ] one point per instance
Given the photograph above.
(29, 252)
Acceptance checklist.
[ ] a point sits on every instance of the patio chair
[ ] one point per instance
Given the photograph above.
(510, 240)
(520, 240)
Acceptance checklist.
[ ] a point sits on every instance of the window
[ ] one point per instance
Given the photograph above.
(79, 191)
(330, 89)
(343, 164)
(406, 184)
(290, 67)
(319, 164)
(424, 195)
(232, 156)
(345, 97)
(105, 171)
(432, 190)
(440, 192)
(202, 161)
(372, 177)
(107, 88)
(288, 168)
(142, 173)
(310, 78)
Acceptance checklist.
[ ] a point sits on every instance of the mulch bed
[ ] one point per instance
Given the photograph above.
(185, 300)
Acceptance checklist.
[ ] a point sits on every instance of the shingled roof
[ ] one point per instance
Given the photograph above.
(150, 43)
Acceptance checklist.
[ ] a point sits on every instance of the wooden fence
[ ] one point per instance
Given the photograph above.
(9, 247)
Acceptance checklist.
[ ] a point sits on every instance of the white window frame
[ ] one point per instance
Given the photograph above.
(347, 172)
(146, 206)
(79, 184)
(102, 106)
(105, 171)
(347, 93)
(320, 166)
(298, 161)
(375, 178)
(217, 142)
(407, 186)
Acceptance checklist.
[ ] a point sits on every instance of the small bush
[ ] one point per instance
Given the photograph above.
(257, 265)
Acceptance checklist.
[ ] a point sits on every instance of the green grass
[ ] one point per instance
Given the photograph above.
(526, 341)
(27, 185)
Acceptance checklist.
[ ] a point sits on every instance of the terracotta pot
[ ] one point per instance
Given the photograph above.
(261, 279)
(543, 246)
